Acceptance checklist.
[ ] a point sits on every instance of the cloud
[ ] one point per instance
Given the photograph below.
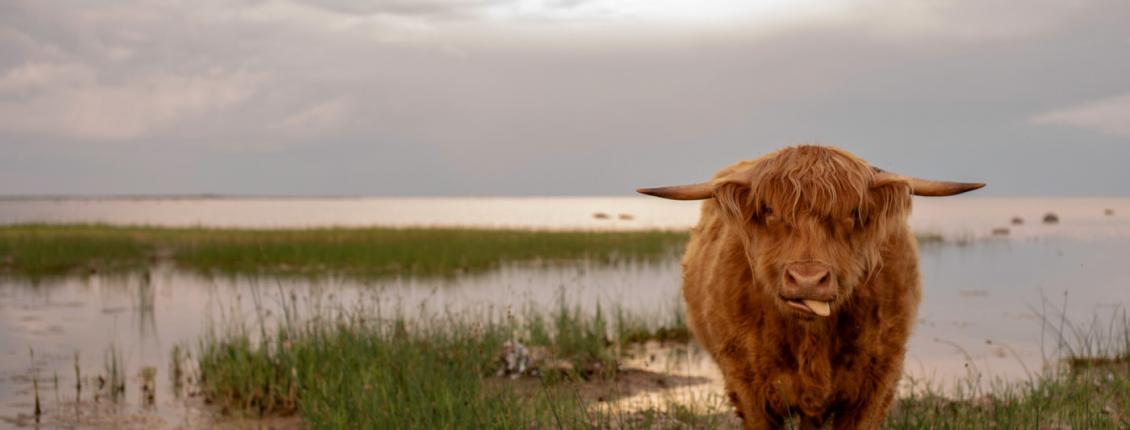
(318, 115)
(1110, 116)
(322, 117)
(502, 95)
(963, 20)
(579, 22)
(33, 77)
(421, 8)
(66, 100)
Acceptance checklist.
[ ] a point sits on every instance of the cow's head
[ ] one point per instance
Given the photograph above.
(812, 220)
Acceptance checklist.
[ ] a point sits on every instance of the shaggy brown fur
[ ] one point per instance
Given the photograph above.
(805, 203)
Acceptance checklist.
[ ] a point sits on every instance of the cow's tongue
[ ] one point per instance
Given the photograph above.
(818, 307)
(815, 306)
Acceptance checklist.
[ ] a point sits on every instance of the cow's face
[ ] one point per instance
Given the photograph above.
(810, 263)
(812, 220)
(812, 225)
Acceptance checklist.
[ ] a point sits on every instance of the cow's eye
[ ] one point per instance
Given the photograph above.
(767, 214)
(857, 218)
(763, 215)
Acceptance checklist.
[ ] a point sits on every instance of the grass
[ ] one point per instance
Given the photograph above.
(1095, 398)
(44, 250)
(1087, 385)
(669, 326)
(350, 370)
(360, 369)
(40, 249)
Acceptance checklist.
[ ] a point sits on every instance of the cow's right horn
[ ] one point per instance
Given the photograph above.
(924, 187)
(700, 191)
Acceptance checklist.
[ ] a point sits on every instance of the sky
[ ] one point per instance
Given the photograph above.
(554, 97)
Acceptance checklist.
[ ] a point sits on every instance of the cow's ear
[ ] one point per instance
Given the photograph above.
(735, 197)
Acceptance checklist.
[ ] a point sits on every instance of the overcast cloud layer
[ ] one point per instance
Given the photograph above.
(553, 97)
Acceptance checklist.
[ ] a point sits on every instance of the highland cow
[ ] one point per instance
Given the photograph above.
(801, 280)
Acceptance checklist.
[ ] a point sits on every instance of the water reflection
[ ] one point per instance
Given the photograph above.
(1025, 294)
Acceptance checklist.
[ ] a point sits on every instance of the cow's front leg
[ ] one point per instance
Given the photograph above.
(875, 400)
(869, 415)
(755, 398)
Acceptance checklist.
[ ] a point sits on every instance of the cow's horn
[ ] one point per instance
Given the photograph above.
(923, 187)
(700, 191)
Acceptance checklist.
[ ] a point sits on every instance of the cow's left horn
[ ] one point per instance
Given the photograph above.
(701, 191)
(923, 187)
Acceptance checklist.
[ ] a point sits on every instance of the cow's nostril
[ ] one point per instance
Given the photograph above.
(808, 275)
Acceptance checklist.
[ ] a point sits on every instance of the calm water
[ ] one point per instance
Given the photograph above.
(962, 216)
(981, 310)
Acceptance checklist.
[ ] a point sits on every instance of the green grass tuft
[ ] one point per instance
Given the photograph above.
(37, 250)
(44, 250)
(359, 370)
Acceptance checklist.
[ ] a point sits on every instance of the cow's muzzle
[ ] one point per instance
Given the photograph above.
(809, 286)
